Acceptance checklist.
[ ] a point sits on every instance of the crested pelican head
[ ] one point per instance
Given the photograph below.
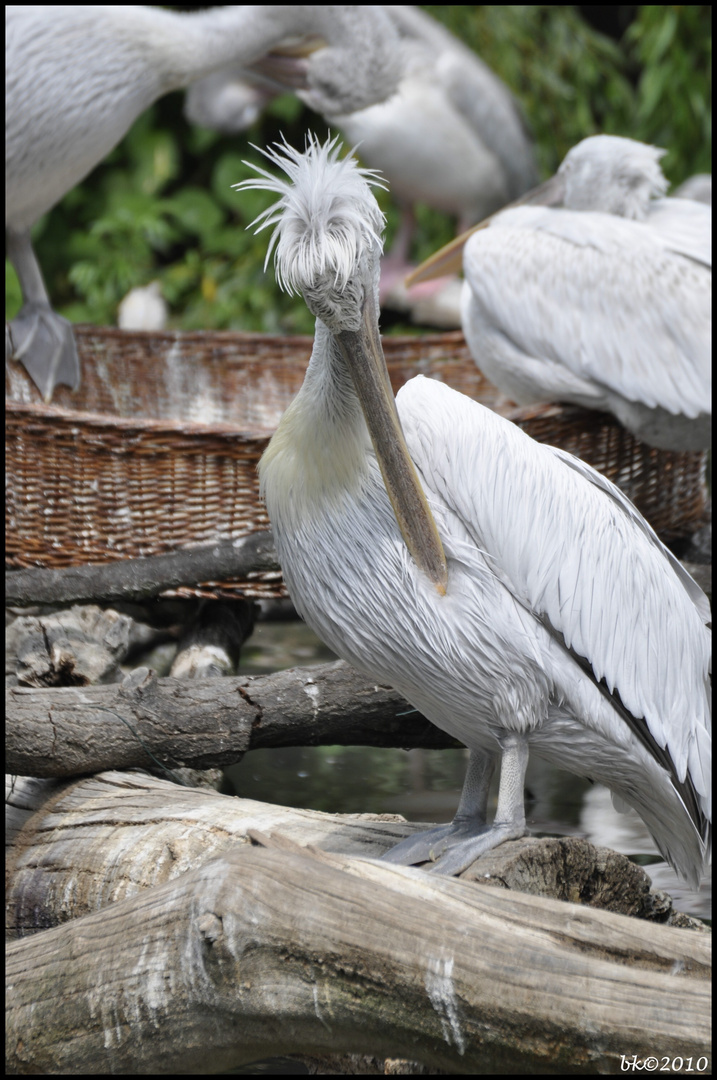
(327, 238)
(327, 245)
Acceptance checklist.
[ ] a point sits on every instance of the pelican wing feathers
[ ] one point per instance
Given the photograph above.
(624, 315)
(576, 554)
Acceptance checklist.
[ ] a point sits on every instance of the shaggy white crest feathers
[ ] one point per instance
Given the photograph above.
(326, 218)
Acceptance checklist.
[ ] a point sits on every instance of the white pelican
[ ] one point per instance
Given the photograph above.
(522, 605)
(78, 77)
(697, 187)
(453, 137)
(603, 300)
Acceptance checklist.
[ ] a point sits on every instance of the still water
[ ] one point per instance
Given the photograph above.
(425, 785)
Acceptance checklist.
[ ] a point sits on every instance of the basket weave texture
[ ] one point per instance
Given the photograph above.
(158, 449)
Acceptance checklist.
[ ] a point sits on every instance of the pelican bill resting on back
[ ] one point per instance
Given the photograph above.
(77, 77)
(602, 297)
(508, 590)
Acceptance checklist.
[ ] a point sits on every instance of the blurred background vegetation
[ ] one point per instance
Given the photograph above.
(161, 206)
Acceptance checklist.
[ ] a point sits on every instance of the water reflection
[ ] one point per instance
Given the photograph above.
(424, 785)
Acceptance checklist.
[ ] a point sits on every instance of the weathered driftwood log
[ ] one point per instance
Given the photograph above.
(203, 722)
(263, 952)
(54, 646)
(75, 647)
(75, 847)
(210, 647)
(141, 579)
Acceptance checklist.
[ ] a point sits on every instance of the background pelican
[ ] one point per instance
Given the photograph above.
(602, 298)
(453, 136)
(697, 187)
(525, 606)
(77, 78)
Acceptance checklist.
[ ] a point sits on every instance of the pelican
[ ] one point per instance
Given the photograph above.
(453, 137)
(509, 591)
(78, 77)
(601, 297)
(697, 187)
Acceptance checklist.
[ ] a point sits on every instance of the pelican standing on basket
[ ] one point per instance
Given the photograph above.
(508, 590)
(78, 77)
(601, 297)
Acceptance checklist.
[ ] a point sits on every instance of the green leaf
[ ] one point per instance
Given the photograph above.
(195, 210)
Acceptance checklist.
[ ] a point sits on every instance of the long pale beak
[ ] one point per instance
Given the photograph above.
(364, 355)
(285, 66)
(449, 259)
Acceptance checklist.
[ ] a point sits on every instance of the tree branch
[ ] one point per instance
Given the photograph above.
(141, 579)
(203, 723)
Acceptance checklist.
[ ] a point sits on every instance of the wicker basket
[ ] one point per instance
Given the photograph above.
(158, 449)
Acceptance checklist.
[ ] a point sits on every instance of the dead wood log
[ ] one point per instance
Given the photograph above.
(106, 837)
(75, 647)
(75, 847)
(263, 952)
(141, 579)
(49, 645)
(203, 723)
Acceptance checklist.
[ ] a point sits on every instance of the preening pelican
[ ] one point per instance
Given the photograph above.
(78, 77)
(453, 136)
(508, 590)
(602, 297)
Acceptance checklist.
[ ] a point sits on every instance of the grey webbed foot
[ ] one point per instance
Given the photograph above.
(429, 845)
(44, 344)
(452, 848)
(459, 856)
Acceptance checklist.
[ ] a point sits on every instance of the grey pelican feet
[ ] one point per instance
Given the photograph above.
(469, 821)
(509, 823)
(452, 848)
(462, 852)
(44, 344)
(432, 845)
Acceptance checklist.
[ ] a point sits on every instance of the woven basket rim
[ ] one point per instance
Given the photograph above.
(41, 410)
(130, 423)
(435, 337)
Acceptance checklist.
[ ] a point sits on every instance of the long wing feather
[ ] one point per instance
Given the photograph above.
(684, 227)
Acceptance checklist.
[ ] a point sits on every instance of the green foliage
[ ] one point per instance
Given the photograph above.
(162, 204)
(672, 48)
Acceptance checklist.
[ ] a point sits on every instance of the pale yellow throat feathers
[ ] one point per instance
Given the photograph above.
(307, 464)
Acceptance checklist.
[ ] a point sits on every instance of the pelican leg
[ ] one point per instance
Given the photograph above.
(470, 817)
(395, 265)
(41, 339)
(509, 823)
